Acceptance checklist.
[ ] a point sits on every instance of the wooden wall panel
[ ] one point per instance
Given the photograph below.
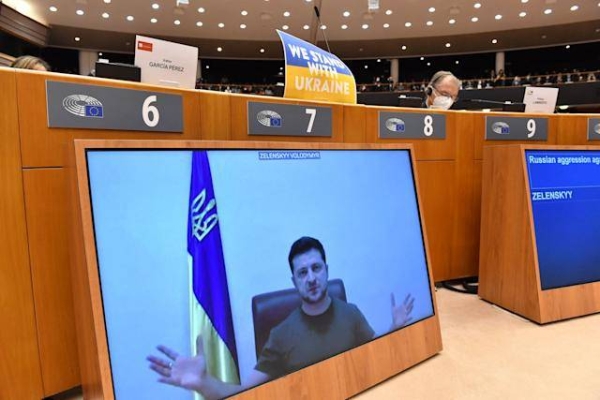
(438, 194)
(215, 110)
(20, 375)
(45, 147)
(355, 129)
(239, 120)
(46, 205)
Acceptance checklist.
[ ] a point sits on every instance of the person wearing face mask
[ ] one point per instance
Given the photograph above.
(442, 90)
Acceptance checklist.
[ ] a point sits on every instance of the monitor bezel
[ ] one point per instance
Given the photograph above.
(81, 147)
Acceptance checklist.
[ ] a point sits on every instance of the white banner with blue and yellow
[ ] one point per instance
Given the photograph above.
(312, 73)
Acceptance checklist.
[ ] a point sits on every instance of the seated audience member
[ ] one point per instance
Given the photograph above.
(442, 90)
(30, 62)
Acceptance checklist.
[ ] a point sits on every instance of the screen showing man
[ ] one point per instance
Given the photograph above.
(349, 215)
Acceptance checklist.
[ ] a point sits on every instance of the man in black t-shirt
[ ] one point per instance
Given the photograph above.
(321, 327)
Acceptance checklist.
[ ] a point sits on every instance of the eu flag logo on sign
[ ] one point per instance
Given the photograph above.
(276, 122)
(94, 111)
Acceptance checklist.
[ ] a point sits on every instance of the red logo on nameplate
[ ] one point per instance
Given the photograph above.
(144, 46)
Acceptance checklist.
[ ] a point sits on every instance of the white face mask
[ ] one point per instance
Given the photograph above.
(442, 103)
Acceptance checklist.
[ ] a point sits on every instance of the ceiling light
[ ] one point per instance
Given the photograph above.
(79, 12)
(153, 20)
(285, 27)
(494, 41)
(107, 1)
(408, 24)
(208, 67)
(429, 64)
(431, 9)
(379, 60)
(306, 27)
(448, 45)
(177, 22)
(548, 11)
(201, 10)
(219, 49)
(77, 38)
(365, 26)
(221, 25)
(346, 14)
(522, 14)
(574, 8)
(262, 50)
(344, 26)
(286, 14)
(244, 13)
(477, 5)
(199, 23)
(386, 25)
(404, 47)
(524, 1)
(422, 58)
(53, 9)
(452, 21)
(474, 19)
(242, 26)
(155, 6)
(498, 17)
(568, 46)
(388, 12)
(366, 66)
(105, 15)
(456, 62)
(323, 27)
(429, 23)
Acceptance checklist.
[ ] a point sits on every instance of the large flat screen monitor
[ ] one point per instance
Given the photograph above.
(565, 199)
(189, 241)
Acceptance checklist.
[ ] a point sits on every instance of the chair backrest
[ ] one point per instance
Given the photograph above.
(269, 309)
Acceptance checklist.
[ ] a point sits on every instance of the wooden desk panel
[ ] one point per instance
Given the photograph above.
(20, 376)
(572, 129)
(355, 129)
(46, 205)
(215, 109)
(45, 147)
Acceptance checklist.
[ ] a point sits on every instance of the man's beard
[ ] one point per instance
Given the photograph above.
(311, 300)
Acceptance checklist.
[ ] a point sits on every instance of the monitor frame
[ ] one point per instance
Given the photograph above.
(362, 367)
(509, 274)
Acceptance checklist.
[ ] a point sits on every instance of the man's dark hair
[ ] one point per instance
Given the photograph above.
(303, 245)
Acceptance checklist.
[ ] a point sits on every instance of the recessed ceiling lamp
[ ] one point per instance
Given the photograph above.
(79, 12)
(105, 15)
(346, 14)
(429, 23)
(155, 6)
(404, 47)
(244, 13)
(306, 27)
(388, 12)
(448, 45)
(574, 8)
(386, 25)
(286, 14)
(201, 10)
(344, 26)
(219, 49)
(177, 22)
(452, 21)
(474, 19)
(408, 24)
(494, 41)
(548, 11)
(199, 23)
(365, 26)
(53, 9)
(498, 17)
(221, 25)
(153, 20)
(477, 5)
(431, 9)
(242, 26)
(77, 38)
(285, 27)
(522, 14)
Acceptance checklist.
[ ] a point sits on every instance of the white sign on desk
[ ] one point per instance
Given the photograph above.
(166, 63)
(540, 99)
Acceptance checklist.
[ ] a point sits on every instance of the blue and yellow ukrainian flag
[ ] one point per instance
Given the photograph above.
(210, 310)
(312, 73)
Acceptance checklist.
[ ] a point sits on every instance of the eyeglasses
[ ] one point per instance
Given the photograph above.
(444, 93)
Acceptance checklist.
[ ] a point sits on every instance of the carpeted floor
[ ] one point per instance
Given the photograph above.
(490, 353)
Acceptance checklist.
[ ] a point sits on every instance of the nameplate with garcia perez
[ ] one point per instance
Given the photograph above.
(552, 195)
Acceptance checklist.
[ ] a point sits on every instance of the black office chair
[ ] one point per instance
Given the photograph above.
(269, 309)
